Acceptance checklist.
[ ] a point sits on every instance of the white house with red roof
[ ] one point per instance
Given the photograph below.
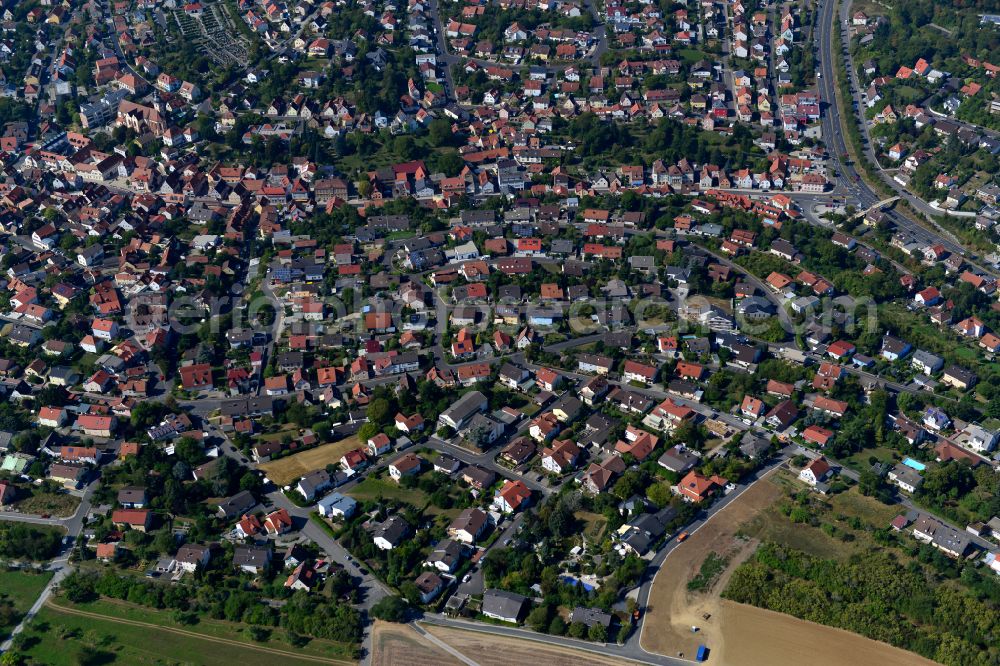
(639, 372)
(513, 496)
(816, 471)
(561, 456)
(379, 444)
(278, 522)
(353, 461)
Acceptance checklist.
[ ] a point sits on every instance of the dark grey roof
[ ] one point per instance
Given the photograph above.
(960, 373)
(677, 459)
(590, 616)
(503, 604)
(255, 556)
(237, 505)
(393, 530)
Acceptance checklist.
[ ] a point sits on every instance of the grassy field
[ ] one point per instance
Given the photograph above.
(966, 354)
(859, 460)
(595, 525)
(372, 488)
(773, 525)
(21, 589)
(289, 429)
(691, 56)
(872, 512)
(112, 632)
(836, 535)
(286, 470)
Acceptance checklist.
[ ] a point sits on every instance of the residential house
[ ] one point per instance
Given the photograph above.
(503, 605)
(392, 532)
(513, 496)
(695, 487)
(816, 471)
(469, 525)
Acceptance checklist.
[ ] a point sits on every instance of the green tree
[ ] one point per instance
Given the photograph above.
(189, 450)
(597, 632)
(391, 609)
(659, 494)
(439, 133)
(380, 412)
(538, 619)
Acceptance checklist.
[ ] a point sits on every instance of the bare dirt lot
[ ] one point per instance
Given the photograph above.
(394, 644)
(489, 650)
(737, 634)
(672, 610)
(285, 470)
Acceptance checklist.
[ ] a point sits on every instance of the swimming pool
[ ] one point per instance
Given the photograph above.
(910, 462)
(577, 582)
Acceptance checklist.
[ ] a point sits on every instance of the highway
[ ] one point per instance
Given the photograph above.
(850, 178)
(869, 147)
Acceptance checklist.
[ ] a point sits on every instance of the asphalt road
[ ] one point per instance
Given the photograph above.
(850, 178)
(869, 147)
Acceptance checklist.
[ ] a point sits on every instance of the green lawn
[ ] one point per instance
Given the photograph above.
(909, 93)
(859, 460)
(21, 589)
(691, 56)
(530, 410)
(966, 354)
(372, 488)
(289, 429)
(117, 638)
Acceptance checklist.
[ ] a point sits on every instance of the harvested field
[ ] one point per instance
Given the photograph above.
(759, 637)
(286, 470)
(400, 644)
(491, 650)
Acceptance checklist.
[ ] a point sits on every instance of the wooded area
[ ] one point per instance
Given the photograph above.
(875, 595)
